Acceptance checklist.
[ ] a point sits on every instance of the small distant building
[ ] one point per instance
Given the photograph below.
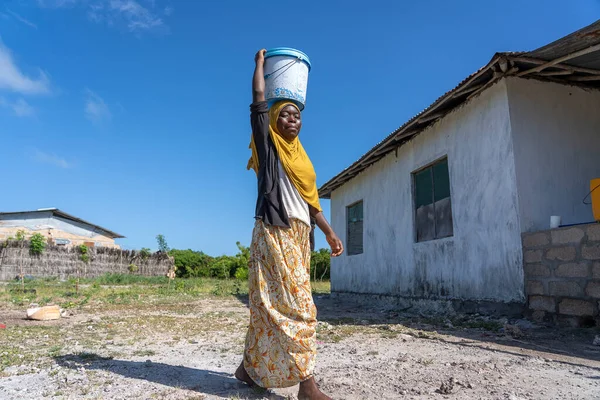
(60, 228)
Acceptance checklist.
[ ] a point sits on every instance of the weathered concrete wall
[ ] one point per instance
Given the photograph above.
(53, 228)
(556, 133)
(64, 262)
(562, 274)
(483, 260)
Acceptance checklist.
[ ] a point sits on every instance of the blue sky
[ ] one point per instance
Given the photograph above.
(134, 114)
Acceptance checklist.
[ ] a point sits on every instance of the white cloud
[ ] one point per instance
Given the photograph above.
(96, 109)
(58, 3)
(131, 14)
(137, 17)
(19, 107)
(52, 159)
(22, 108)
(11, 77)
(21, 19)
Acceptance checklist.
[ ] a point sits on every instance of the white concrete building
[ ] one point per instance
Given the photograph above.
(437, 209)
(57, 226)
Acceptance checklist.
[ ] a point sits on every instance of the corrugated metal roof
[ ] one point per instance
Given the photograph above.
(501, 65)
(576, 41)
(59, 213)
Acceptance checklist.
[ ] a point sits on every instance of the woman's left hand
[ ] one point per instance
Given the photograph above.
(337, 248)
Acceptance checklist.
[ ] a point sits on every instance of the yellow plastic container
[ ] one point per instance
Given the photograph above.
(595, 188)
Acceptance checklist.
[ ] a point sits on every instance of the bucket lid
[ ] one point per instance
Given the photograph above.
(288, 51)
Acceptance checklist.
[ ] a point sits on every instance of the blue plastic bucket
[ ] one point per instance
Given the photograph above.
(286, 75)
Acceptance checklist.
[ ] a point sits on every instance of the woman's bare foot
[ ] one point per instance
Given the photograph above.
(243, 376)
(310, 391)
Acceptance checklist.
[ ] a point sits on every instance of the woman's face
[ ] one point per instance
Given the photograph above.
(289, 122)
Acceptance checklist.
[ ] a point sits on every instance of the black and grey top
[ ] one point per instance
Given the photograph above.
(271, 200)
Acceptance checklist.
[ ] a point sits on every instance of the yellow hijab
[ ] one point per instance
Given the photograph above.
(293, 157)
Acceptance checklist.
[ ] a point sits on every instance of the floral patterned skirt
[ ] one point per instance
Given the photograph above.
(280, 345)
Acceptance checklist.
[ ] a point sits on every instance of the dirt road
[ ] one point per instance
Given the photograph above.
(189, 351)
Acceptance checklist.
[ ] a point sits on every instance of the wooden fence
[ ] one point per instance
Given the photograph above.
(64, 262)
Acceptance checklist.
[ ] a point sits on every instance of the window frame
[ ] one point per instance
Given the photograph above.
(413, 175)
(362, 239)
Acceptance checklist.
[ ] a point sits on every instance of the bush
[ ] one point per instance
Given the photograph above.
(196, 264)
(320, 265)
(83, 250)
(241, 274)
(222, 266)
(191, 264)
(240, 262)
(145, 253)
(37, 244)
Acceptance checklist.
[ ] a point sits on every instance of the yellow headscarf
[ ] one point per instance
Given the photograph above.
(293, 157)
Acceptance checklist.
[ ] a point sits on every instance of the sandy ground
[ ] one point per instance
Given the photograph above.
(190, 350)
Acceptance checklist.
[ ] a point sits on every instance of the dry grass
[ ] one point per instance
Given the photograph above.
(123, 290)
(120, 311)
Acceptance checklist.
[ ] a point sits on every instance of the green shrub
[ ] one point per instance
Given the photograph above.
(83, 253)
(221, 267)
(145, 253)
(37, 244)
(191, 264)
(320, 265)
(241, 274)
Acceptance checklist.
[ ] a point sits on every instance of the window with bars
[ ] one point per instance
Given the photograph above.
(354, 228)
(433, 208)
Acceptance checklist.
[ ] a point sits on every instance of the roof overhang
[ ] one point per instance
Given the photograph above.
(58, 213)
(573, 59)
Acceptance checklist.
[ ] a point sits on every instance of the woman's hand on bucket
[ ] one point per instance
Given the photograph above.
(337, 248)
(258, 80)
(260, 56)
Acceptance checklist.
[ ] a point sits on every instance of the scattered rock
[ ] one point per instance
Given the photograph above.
(596, 340)
(513, 330)
(467, 385)
(524, 324)
(324, 326)
(43, 313)
(446, 387)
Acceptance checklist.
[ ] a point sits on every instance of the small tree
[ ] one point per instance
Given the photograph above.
(145, 253)
(20, 235)
(37, 244)
(162, 243)
(85, 258)
(242, 258)
(320, 264)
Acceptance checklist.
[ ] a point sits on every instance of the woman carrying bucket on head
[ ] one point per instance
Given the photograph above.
(280, 346)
